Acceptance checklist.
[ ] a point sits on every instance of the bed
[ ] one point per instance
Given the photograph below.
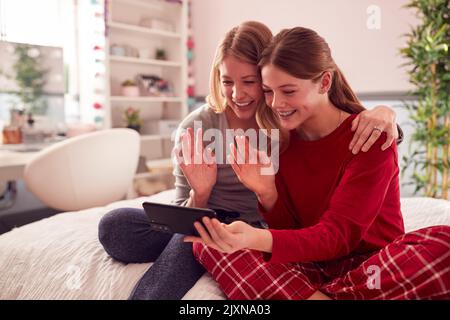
(60, 257)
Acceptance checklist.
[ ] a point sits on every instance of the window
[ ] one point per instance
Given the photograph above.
(45, 23)
(33, 22)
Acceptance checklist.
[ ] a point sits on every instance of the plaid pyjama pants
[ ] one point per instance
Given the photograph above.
(416, 265)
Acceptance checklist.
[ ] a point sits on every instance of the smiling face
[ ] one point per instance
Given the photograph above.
(240, 83)
(293, 100)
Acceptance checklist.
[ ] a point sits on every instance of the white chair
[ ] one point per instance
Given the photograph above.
(85, 171)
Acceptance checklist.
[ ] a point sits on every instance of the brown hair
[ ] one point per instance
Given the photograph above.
(245, 42)
(303, 54)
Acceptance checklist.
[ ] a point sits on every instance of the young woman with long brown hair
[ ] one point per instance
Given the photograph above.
(335, 225)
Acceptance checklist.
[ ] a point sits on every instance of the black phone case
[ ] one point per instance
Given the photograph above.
(175, 219)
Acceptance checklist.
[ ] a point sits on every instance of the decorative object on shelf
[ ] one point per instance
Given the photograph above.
(124, 51)
(147, 187)
(130, 89)
(161, 166)
(161, 54)
(156, 23)
(145, 22)
(160, 177)
(117, 50)
(152, 85)
(144, 53)
(428, 54)
(131, 51)
(133, 119)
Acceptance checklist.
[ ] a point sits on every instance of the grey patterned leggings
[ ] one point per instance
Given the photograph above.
(126, 236)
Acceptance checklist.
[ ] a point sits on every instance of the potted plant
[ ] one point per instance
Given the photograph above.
(428, 56)
(30, 78)
(161, 54)
(132, 118)
(130, 88)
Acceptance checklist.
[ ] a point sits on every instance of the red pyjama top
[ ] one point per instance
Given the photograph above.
(332, 203)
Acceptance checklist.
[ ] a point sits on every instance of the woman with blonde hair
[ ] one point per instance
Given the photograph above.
(236, 94)
(335, 226)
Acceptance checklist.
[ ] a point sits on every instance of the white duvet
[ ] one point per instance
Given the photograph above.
(60, 257)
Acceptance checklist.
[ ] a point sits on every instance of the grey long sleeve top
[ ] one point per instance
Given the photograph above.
(228, 193)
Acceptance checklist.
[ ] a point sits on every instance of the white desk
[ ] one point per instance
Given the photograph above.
(12, 164)
(14, 157)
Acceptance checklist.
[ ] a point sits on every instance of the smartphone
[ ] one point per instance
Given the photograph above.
(175, 219)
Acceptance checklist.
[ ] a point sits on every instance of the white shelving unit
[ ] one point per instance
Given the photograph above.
(145, 99)
(145, 61)
(153, 32)
(142, 26)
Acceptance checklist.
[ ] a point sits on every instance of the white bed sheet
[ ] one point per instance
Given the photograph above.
(60, 257)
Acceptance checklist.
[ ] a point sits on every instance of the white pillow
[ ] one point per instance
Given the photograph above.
(424, 212)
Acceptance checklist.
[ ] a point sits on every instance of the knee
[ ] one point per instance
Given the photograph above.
(435, 240)
(434, 234)
(440, 236)
(110, 227)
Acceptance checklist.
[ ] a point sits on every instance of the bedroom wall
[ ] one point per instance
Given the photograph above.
(367, 55)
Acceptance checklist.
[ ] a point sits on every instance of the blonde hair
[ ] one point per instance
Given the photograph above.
(245, 42)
